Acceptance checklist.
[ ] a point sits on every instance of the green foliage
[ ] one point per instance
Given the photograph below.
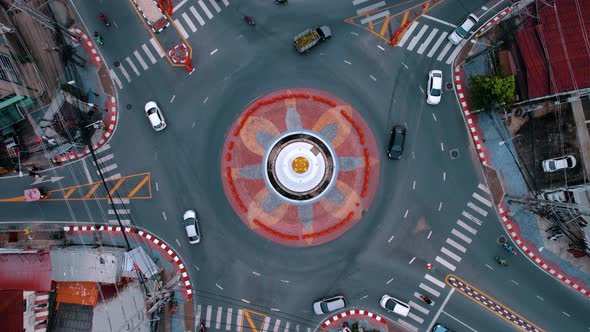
(489, 91)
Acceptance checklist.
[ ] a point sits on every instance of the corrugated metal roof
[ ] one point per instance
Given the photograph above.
(25, 272)
(81, 263)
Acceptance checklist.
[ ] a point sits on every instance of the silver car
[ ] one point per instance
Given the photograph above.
(191, 225)
(462, 31)
(328, 305)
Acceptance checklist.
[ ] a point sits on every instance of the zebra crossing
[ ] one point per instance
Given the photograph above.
(427, 36)
(149, 53)
(449, 256)
(228, 319)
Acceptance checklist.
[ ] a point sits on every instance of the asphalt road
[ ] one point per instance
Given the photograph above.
(418, 201)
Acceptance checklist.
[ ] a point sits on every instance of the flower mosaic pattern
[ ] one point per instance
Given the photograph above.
(355, 153)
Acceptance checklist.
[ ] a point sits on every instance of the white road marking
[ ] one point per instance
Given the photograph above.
(285, 281)
(172, 100)
(364, 297)
(218, 318)
(466, 227)
(434, 117)
(374, 17)
(489, 267)
(484, 188)
(157, 47)
(113, 177)
(197, 16)
(140, 59)
(132, 66)
(354, 33)
(514, 282)
(388, 281)
(116, 78)
(444, 51)
(446, 313)
(565, 313)
(189, 22)
(456, 245)
(416, 318)
(101, 160)
(219, 286)
(381, 47)
(445, 263)
(164, 215)
(370, 7)
(406, 214)
(196, 267)
(418, 307)
(198, 316)
(461, 235)
(205, 101)
(215, 5)
(287, 326)
(439, 206)
(106, 169)
(213, 52)
(120, 200)
(429, 289)
(450, 254)
(125, 73)
(208, 316)
(348, 62)
(442, 147)
(429, 234)
(540, 298)
(444, 176)
(148, 53)
(422, 90)
(414, 185)
(178, 243)
(412, 260)
(256, 273)
(405, 66)
(416, 38)
(181, 28)
(477, 209)
(277, 324)
(437, 44)
(157, 188)
(407, 34)
(391, 238)
(425, 44)
(225, 2)
(481, 199)
(407, 325)
(246, 301)
(439, 21)
(455, 52)
(356, 2)
(179, 5)
(240, 317)
(205, 9)
(228, 319)
(471, 217)
(275, 309)
(434, 281)
(373, 78)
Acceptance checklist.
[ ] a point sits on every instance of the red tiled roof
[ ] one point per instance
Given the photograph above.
(25, 272)
(11, 311)
(556, 50)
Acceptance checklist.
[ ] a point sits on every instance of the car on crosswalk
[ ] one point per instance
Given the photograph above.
(462, 31)
(191, 225)
(154, 114)
(328, 305)
(394, 305)
(434, 90)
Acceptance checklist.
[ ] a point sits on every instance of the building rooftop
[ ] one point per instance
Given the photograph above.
(25, 272)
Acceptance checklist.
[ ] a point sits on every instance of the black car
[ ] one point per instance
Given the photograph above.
(396, 142)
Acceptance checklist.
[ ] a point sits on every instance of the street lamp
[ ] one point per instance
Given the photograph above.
(508, 140)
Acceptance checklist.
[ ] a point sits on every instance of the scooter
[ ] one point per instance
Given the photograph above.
(203, 328)
(509, 248)
(98, 38)
(425, 299)
(501, 261)
(249, 20)
(105, 20)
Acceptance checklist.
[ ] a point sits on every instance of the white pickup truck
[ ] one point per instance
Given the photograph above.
(311, 37)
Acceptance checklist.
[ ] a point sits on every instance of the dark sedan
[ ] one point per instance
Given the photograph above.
(396, 142)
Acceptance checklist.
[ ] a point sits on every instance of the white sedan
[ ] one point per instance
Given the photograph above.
(462, 31)
(434, 87)
(153, 113)
(556, 164)
(191, 225)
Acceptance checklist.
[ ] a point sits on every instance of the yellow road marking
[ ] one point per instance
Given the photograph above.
(247, 314)
(69, 193)
(384, 27)
(13, 199)
(150, 31)
(405, 18)
(134, 191)
(252, 325)
(92, 190)
(116, 186)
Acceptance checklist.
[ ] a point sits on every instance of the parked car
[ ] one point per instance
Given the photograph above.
(154, 114)
(191, 225)
(434, 87)
(556, 164)
(394, 305)
(462, 31)
(396, 142)
(440, 328)
(328, 305)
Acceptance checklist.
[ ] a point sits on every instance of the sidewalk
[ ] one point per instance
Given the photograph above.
(526, 229)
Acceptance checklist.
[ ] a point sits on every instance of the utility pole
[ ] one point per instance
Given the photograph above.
(41, 18)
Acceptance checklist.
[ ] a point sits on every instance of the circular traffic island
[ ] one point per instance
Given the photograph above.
(299, 167)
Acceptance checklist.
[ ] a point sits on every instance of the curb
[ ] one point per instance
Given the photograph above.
(341, 315)
(480, 150)
(164, 248)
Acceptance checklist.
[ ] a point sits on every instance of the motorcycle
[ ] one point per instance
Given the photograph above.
(280, 2)
(105, 20)
(203, 328)
(501, 261)
(425, 299)
(98, 38)
(249, 20)
(510, 248)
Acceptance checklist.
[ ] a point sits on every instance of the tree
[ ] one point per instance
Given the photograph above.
(489, 91)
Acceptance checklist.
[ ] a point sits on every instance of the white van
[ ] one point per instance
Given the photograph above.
(462, 31)
(394, 305)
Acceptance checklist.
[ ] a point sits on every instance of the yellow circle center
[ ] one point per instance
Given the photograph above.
(300, 165)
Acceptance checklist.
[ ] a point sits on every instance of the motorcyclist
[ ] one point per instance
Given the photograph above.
(203, 328)
(98, 38)
(501, 261)
(425, 299)
(249, 19)
(104, 19)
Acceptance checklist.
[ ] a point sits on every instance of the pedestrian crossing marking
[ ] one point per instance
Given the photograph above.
(140, 59)
(441, 38)
(197, 16)
(407, 34)
(189, 22)
(248, 315)
(215, 5)
(427, 41)
(416, 38)
(205, 9)
(132, 65)
(157, 47)
(116, 78)
(180, 28)
(125, 73)
(370, 7)
(148, 53)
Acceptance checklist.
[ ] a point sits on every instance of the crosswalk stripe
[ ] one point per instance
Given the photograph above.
(407, 34)
(225, 2)
(240, 318)
(157, 47)
(450, 254)
(471, 217)
(148, 53)
(374, 17)
(106, 169)
(125, 222)
(208, 316)
(466, 227)
(434, 281)
(429, 289)
(356, 2)
(444, 51)
(113, 177)
(179, 26)
(140, 59)
(287, 326)
(425, 44)
(118, 211)
(445, 263)
(215, 5)
(116, 78)
(132, 66)
(189, 22)
(198, 316)
(125, 73)
(416, 39)
(437, 44)
(370, 7)
(218, 318)
(407, 325)
(477, 209)
(416, 318)
(277, 324)
(455, 53)
(117, 200)
(418, 307)
(197, 16)
(484, 188)
(456, 245)
(266, 324)
(461, 235)
(228, 320)
(102, 149)
(482, 199)
(205, 9)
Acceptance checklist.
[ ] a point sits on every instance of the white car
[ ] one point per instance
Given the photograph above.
(394, 305)
(462, 31)
(153, 113)
(556, 164)
(191, 225)
(328, 305)
(434, 87)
